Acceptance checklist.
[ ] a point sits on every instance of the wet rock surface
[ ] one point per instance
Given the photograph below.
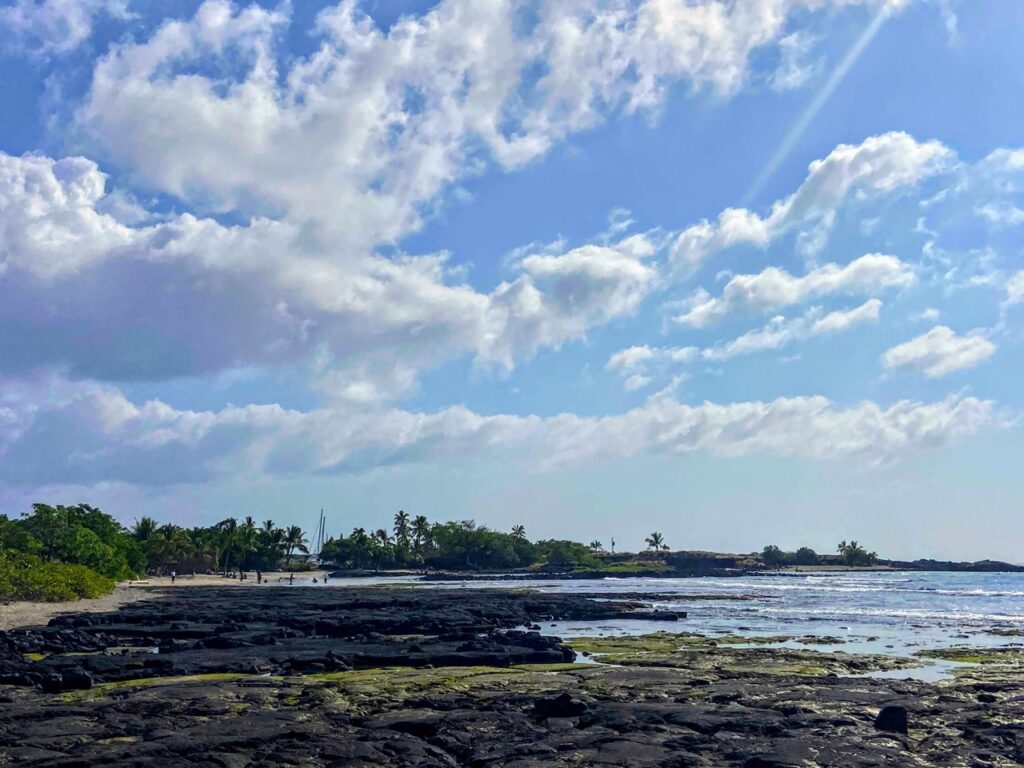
(667, 701)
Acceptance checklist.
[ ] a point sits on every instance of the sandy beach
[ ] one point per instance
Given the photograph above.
(26, 614)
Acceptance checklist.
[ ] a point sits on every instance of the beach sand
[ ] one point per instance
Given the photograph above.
(25, 614)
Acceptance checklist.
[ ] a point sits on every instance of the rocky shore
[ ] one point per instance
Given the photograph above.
(437, 677)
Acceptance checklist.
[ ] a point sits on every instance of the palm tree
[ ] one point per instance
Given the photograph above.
(294, 539)
(361, 544)
(597, 546)
(656, 542)
(169, 545)
(205, 547)
(227, 535)
(248, 541)
(270, 547)
(144, 529)
(382, 541)
(519, 532)
(420, 533)
(402, 529)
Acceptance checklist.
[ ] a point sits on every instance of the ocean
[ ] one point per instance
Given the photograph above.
(889, 612)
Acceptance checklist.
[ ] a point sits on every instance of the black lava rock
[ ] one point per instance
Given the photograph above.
(52, 684)
(562, 705)
(76, 679)
(892, 719)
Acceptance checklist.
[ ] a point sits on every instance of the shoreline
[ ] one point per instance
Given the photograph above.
(17, 614)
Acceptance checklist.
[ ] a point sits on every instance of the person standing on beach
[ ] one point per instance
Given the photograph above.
(173, 574)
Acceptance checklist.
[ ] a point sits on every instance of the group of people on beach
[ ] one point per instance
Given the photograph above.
(259, 577)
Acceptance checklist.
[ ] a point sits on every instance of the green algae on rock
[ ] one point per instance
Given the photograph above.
(748, 655)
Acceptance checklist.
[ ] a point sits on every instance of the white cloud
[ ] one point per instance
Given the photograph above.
(939, 352)
(583, 287)
(1015, 288)
(83, 433)
(838, 321)
(274, 290)
(48, 219)
(793, 70)
(775, 288)
(879, 165)
(636, 365)
(43, 27)
(630, 359)
(780, 332)
(1000, 214)
(366, 132)
(927, 315)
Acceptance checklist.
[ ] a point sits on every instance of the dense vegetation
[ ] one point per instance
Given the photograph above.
(226, 546)
(66, 552)
(849, 553)
(773, 557)
(27, 577)
(417, 543)
(62, 553)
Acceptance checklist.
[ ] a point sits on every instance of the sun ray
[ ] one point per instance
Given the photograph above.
(820, 98)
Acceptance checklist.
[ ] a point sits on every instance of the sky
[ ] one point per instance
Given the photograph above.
(738, 271)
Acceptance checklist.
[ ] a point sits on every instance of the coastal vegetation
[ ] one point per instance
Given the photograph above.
(854, 554)
(773, 557)
(65, 552)
(455, 546)
(850, 554)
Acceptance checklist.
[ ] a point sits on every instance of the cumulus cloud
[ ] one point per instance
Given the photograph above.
(363, 133)
(879, 165)
(939, 352)
(583, 287)
(147, 296)
(84, 432)
(49, 224)
(775, 288)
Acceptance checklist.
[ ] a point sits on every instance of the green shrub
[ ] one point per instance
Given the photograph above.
(26, 577)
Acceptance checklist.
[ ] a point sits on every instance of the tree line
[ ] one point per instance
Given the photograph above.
(850, 553)
(225, 547)
(63, 552)
(416, 542)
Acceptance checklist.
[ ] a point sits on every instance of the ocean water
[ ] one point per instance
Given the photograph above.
(871, 612)
(881, 612)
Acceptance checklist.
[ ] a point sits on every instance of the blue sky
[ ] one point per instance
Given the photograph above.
(522, 263)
